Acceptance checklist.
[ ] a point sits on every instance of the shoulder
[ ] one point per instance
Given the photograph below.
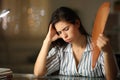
(55, 49)
(52, 51)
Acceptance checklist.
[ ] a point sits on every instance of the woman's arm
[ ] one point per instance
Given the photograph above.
(40, 64)
(111, 68)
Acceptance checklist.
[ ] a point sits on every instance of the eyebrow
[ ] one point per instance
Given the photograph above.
(63, 28)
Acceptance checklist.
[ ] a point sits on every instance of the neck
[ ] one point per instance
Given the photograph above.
(80, 42)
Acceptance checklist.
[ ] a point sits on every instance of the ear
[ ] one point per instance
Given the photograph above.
(77, 23)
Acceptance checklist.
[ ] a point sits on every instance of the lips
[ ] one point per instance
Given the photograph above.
(68, 40)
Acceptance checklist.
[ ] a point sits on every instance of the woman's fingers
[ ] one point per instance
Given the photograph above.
(52, 34)
(102, 41)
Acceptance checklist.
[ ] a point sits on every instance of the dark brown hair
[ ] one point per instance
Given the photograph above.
(68, 15)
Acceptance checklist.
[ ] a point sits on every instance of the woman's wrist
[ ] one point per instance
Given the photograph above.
(46, 41)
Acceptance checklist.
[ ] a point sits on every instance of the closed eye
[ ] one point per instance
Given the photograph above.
(59, 32)
(66, 28)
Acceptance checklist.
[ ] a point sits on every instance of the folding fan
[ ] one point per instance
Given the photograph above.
(98, 28)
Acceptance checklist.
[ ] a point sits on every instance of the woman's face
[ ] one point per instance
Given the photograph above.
(67, 31)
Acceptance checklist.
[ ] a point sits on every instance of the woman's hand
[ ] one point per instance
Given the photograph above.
(111, 68)
(103, 43)
(52, 35)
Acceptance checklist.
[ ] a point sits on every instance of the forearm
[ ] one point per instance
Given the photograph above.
(110, 65)
(40, 64)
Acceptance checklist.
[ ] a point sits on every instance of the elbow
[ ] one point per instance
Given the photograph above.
(112, 76)
(116, 71)
(115, 75)
(38, 73)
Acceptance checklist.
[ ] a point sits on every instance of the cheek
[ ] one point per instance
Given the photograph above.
(71, 33)
(75, 33)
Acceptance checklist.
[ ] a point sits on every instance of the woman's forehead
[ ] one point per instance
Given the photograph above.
(61, 25)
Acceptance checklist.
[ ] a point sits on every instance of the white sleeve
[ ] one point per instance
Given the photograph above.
(53, 61)
(102, 62)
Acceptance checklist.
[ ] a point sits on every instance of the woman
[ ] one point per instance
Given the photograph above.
(67, 48)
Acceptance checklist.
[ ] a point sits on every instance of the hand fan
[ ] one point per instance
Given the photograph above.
(98, 28)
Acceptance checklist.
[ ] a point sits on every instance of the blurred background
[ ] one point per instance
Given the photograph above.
(23, 30)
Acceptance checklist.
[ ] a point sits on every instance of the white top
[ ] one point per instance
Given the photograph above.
(64, 61)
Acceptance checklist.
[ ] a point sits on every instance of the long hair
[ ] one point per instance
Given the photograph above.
(68, 15)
